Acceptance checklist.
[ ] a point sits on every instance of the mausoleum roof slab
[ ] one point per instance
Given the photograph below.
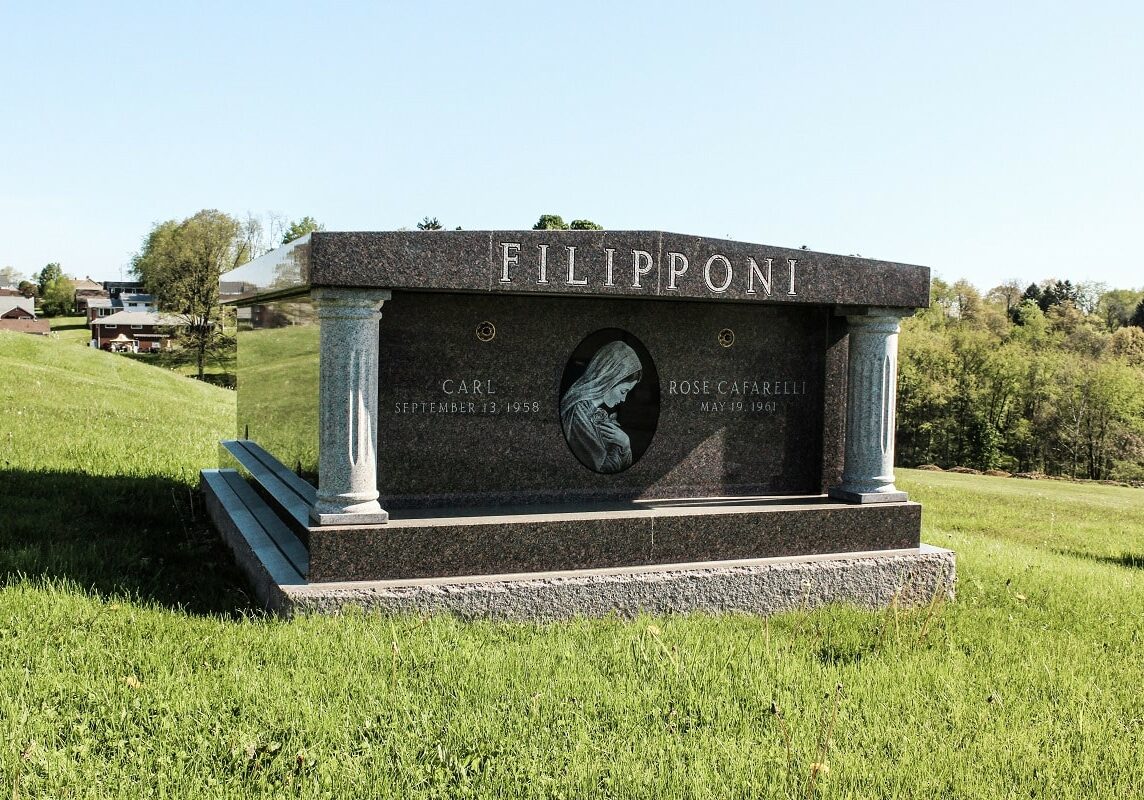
(626, 264)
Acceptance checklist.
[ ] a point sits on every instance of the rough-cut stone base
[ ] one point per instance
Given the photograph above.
(760, 586)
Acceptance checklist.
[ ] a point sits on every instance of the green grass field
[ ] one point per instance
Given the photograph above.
(133, 665)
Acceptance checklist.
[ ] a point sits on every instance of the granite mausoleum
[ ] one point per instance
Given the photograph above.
(536, 424)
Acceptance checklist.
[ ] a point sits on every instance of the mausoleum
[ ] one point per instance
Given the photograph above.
(537, 424)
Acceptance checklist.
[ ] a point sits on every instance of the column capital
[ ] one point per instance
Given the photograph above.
(343, 303)
(880, 320)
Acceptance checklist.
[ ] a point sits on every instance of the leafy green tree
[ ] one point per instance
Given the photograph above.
(1032, 292)
(550, 222)
(555, 222)
(181, 262)
(300, 227)
(1137, 317)
(1028, 314)
(58, 297)
(1076, 332)
(1127, 343)
(967, 301)
(1088, 294)
(1007, 294)
(1058, 292)
(429, 224)
(1115, 307)
(48, 274)
(28, 289)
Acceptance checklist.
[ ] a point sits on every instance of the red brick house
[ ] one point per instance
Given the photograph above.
(133, 331)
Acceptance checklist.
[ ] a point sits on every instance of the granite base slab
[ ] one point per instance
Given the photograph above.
(269, 554)
(756, 586)
(446, 543)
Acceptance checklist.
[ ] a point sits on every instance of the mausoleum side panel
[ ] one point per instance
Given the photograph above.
(278, 381)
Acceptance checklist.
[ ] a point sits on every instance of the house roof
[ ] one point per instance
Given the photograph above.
(87, 284)
(9, 303)
(137, 318)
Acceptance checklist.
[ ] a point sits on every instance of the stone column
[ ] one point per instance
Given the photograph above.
(871, 406)
(347, 406)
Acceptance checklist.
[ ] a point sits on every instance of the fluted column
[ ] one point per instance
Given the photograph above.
(871, 407)
(347, 406)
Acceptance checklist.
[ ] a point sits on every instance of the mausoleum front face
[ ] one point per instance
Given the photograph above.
(435, 380)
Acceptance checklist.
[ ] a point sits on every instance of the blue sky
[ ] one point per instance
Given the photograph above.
(986, 140)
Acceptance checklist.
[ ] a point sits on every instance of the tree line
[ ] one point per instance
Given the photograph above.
(1049, 378)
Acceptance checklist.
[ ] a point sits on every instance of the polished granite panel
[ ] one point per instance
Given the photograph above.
(610, 263)
(730, 402)
(456, 544)
(278, 381)
(281, 271)
(834, 408)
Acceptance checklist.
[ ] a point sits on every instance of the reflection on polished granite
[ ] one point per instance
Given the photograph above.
(281, 270)
(278, 381)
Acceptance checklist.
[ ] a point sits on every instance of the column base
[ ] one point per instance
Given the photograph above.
(374, 518)
(367, 513)
(848, 496)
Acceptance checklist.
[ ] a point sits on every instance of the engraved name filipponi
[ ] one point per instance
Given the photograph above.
(557, 265)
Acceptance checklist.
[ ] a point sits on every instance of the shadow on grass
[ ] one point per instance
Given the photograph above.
(225, 380)
(144, 537)
(1130, 560)
(219, 372)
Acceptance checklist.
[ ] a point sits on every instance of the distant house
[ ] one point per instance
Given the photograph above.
(85, 290)
(17, 308)
(133, 331)
(98, 308)
(115, 288)
(137, 301)
(19, 314)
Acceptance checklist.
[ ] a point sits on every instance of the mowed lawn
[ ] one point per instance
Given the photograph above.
(132, 664)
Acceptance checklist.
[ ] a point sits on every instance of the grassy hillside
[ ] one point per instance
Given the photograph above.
(1027, 686)
(101, 454)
